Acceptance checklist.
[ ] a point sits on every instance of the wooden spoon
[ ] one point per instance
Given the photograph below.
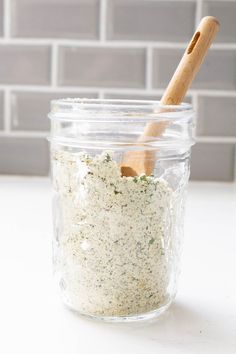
(137, 162)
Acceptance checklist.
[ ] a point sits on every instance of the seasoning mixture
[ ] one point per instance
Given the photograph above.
(115, 247)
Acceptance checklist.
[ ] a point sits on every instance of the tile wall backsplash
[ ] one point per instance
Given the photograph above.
(111, 49)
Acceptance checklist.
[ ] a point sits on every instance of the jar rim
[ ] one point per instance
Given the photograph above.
(81, 109)
(112, 102)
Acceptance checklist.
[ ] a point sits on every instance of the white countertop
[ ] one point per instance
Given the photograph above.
(32, 319)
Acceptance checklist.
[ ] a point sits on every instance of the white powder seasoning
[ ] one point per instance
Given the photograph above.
(115, 246)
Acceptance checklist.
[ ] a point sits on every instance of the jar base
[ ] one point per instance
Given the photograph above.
(146, 316)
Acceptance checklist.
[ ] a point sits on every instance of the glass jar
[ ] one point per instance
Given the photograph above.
(117, 239)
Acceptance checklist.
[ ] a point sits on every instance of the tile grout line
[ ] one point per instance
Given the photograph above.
(102, 21)
(107, 43)
(195, 101)
(25, 134)
(195, 107)
(235, 162)
(148, 68)
(7, 111)
(54, 65)
(14, 115)
(6, 16)
(198, 14)
(101, 94)
(216, 139)
(115, 90)
(49, 88)
(96, 43)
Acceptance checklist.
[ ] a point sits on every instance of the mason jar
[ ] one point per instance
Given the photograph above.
(118, 238)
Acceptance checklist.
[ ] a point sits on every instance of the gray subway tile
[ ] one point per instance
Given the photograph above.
(1, 110)
(62, 19)
(29, 110)
(24, 156)
(212, 162)
(151, 20)
(225, 11)
(217, 71)
(102, 67)
(24, 64)
(216, 116)
(1, 17)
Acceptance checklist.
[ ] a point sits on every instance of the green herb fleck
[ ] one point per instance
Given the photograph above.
(117, 192)
(143, 178)
(107, 158)
(151, 241)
